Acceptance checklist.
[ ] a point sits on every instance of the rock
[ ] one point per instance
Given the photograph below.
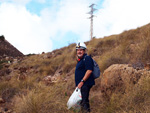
(15, 61)
(7, 58)
(117, 77)
(22, 76)
(47, 80)
(48, 55)
(6, 109)
(138, 65)
(22, 69)
(43, 52)
(50, 79)
(147, 66)
(7, 65)
(54, 79)
(7, 71)
(65, 80)
(1, 100)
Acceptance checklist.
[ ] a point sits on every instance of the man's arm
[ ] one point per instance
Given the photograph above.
(86, 76)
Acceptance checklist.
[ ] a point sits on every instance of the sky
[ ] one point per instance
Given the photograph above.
(36, 26)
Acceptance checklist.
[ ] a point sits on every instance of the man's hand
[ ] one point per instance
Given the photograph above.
(80, 85)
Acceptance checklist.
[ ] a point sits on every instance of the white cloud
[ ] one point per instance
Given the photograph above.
(119, 15)
(24, 30)
(71, 16)
(68, 16)
(32, 34)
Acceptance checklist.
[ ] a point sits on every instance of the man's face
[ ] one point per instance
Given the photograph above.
(80, 52)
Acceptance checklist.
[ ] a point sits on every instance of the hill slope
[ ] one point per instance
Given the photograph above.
(43, 83)
(6, 49)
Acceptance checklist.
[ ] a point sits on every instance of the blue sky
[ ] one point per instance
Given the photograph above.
(36, 7)
(36, 26)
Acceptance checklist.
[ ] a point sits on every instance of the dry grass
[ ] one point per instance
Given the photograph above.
(38, 98)
(44, 100)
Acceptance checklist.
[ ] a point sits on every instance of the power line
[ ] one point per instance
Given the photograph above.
(91, 17)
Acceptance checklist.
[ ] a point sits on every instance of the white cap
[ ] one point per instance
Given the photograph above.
(80, 45)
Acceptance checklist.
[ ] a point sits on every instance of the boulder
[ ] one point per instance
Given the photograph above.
(117, 77)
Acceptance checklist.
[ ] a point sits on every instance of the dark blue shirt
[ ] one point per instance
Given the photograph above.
(86, 63)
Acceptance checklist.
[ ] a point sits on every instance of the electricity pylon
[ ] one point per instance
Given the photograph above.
(91, 17)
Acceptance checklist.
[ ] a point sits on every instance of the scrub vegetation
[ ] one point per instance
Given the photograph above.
(32, 95)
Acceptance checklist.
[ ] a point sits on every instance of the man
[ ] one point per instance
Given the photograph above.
(83, 75)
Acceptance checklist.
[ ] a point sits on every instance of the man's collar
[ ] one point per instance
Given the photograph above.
(82, 57)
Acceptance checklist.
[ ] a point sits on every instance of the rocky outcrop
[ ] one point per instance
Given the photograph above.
(119, 77)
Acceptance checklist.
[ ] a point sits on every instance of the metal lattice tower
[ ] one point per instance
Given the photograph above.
(91, 17)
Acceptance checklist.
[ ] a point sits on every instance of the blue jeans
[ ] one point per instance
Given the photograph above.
(85, 106)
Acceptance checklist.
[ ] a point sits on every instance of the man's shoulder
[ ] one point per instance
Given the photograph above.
(87, 57)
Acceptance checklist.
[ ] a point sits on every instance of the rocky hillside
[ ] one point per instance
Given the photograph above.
(42, 83)
(6, 49)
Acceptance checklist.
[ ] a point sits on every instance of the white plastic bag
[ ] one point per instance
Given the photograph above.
(75, 99)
